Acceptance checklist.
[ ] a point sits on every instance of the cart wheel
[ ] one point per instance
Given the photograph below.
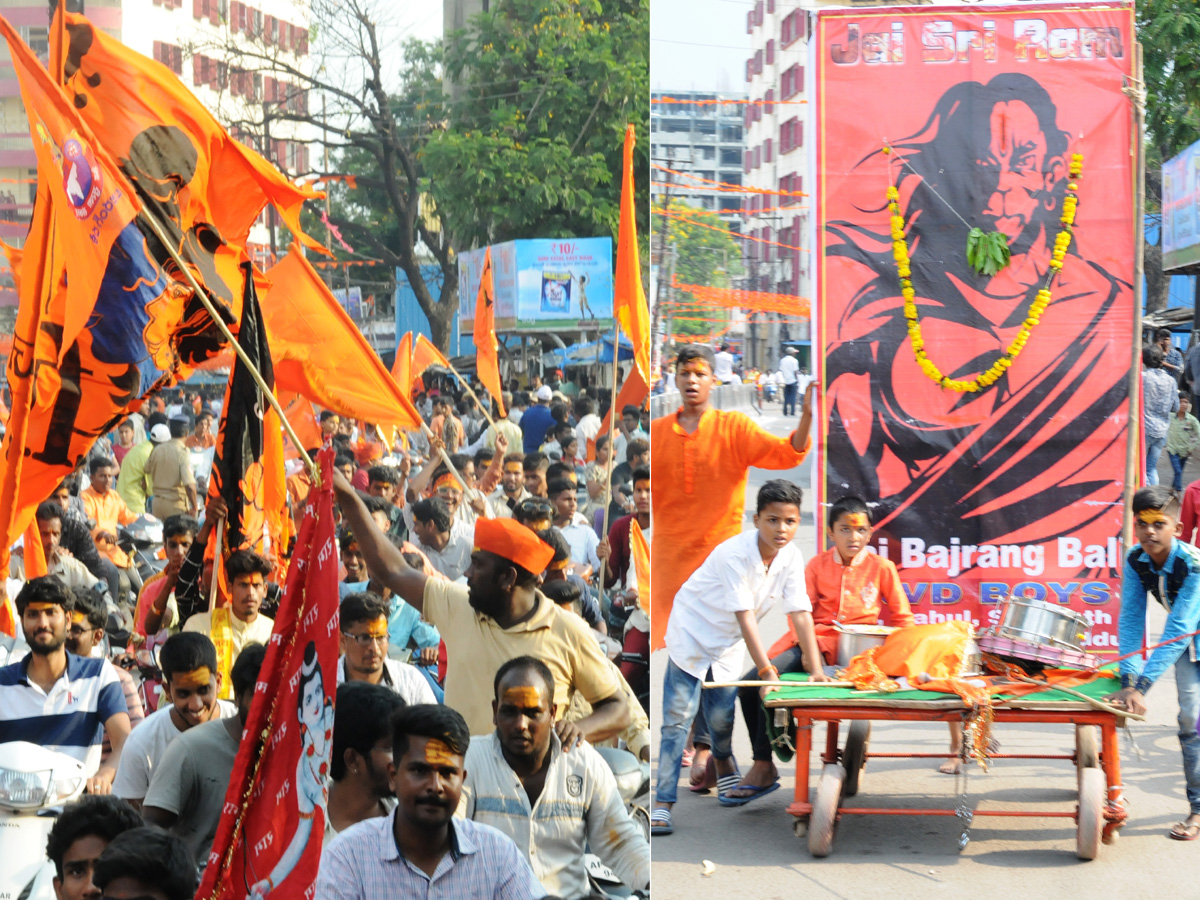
(825, 806)
(1087, 751)
(1093, 787)
(800, 828)
(855, 755)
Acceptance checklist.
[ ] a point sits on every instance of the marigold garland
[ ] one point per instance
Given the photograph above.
(1042, 300)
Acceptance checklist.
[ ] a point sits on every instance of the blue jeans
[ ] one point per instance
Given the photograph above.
(682, 698)
(1154, 449)
(1177, 463)
(789, 398)
(1187, 683)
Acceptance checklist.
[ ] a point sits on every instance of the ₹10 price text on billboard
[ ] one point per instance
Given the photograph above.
(975, 118)
(544, 284)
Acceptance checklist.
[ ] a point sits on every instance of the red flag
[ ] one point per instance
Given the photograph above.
(269, 837)
(629, 300)
(487, 363)
(633, 393)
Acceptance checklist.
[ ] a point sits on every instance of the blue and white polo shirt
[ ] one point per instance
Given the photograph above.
(70, 718)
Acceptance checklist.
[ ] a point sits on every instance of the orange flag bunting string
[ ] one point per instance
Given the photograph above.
(629, 299)
(759, 301)
(487, 363)
(319, 352)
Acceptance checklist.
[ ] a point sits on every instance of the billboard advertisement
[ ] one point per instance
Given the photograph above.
(984, 420)
(543, 285)
(1181, 209)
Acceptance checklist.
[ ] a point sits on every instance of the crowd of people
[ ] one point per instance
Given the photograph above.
(483, 609)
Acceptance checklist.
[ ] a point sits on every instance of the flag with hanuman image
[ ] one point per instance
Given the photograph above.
(973, 301)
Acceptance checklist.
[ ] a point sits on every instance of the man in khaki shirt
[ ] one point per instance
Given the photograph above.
(498, 615)
(170, 471)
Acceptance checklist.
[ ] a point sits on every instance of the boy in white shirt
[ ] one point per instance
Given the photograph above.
(714, 620)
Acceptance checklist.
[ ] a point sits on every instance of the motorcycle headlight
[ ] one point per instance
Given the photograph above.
(34, 790)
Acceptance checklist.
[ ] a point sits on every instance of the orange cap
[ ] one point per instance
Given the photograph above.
(513, 541)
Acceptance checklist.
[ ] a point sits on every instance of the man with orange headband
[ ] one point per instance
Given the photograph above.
(699, 469)
(499, 614)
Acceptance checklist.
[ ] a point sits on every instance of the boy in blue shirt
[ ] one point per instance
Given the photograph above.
(1169, 569)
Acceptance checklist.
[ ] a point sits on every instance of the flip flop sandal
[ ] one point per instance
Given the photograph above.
(708, 781)
(726, 800)
(660, 822)
(727, 783)
(1181, 831)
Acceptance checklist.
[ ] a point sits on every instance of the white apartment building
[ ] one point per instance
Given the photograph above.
(775, 158)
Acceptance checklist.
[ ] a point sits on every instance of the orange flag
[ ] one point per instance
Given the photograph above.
(319, 352)
(205, 188)
(487, 363)
(299, 413)
(425, 354)
(633, 393)
(641, 563)
(629, 300)
(402, 367)
(92, 201)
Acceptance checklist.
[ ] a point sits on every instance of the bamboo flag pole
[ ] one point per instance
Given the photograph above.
(612, 426)
(149, 218)
(474, 396)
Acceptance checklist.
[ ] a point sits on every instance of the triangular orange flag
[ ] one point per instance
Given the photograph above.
(487, 363)
(319, 352)
(629, 300)
(633, 393)
(402, 367)
(425, 354)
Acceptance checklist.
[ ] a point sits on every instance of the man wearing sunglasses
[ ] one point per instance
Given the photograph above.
(364, 623)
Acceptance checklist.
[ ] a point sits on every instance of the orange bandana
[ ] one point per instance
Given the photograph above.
(513, 541)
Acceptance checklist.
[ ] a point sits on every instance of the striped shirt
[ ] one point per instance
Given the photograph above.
(364, 863)
(70, 718)
(579, 807)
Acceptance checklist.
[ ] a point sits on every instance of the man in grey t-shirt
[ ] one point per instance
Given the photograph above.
(187, 790)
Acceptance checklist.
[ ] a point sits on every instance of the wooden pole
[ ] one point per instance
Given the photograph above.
(212, 585)
(1133, 453)
(149, 218)
(474, 396)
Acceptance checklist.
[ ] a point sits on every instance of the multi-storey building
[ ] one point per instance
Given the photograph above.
(775, 158)
(214, 46)
(702, 137)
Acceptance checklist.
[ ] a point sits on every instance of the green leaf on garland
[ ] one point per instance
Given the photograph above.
(987, 252)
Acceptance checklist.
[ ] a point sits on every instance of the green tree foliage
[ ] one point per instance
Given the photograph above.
(534, 126)
(703, 254)
(1169, 31)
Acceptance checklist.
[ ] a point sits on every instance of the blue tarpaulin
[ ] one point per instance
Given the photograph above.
(587, 353)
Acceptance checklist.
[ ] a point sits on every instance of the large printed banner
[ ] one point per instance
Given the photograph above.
(1015, 488)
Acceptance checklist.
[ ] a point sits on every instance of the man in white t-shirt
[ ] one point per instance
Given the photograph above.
(723, 371)
(789, 368)
(191, 684)
(714, 620)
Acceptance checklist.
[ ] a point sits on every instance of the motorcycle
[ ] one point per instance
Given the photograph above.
(34, 785)
(633, 784)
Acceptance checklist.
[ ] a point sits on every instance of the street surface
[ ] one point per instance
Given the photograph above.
(756, 854)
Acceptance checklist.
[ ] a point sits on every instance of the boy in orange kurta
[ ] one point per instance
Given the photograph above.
(699, 465)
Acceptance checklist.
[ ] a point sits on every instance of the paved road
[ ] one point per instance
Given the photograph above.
(899, 857)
